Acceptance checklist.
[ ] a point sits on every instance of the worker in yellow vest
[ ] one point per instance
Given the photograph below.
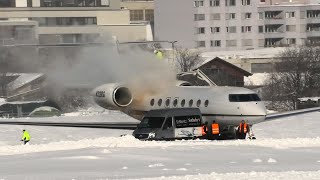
(158, 54)
(25, 137)
(215, 129)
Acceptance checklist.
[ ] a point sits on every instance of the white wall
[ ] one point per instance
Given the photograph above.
(35, 3)
(21, 3)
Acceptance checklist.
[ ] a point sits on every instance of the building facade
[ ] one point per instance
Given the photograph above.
(215, 25)
(75, 21)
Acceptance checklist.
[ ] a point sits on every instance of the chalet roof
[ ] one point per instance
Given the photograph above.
(217, 59)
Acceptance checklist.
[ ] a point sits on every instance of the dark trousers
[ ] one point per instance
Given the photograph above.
(242, 135)
(25, 141)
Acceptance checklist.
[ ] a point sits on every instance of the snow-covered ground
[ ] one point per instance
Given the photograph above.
(287, 148)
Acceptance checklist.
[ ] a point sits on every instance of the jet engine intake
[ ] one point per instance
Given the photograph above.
(112, 96)
(122, 96)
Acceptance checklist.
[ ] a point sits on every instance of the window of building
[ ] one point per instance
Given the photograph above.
(66, 21)
(136, 15)
(200, 30)
(73, 3)
(246, 2)
(260, 15)
(230, 2)
(149, 15)
(261, 67)
(261, 42)
(215, 16)
(231, 16)
(215, 29)
(247, 15)
(199, 17)
(214, 3)
(198, 3)
(291, 28)
(201, 44)
(260, 29)
(216, 43)
(245, 29)
(289, 14)
(231, 43)
(247, 42)
(262, 1)
(231, 29)
(291, 41)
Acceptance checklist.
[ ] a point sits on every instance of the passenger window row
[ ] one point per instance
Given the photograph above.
(175, 103)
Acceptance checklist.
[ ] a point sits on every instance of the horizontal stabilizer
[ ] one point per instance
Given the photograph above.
(275, 116)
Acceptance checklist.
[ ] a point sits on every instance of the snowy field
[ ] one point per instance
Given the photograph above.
(287, 148)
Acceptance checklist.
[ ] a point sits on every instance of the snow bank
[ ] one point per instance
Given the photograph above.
(130, 142)
(292, 175)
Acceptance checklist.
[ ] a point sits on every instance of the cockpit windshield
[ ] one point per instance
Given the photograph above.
(151, 122)
(243, 97)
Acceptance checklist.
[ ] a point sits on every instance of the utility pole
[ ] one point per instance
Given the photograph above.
(173, 51)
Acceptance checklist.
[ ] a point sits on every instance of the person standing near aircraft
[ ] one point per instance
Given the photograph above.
(243, 129)
(25, 137)
(158, 54)
(204, 130)
(215, 130)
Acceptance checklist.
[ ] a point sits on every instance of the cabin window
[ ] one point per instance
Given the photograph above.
(183, 102)
(198, 103)
(159, 102)
(167, 102)
(190, 103)
(243, 97)
(206, 103)
(175, 102)
(152, 102)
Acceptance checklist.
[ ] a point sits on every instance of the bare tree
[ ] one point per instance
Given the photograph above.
(186, 60)
(296, 75)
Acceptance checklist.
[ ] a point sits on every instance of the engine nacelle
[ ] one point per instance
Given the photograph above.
(112, 96)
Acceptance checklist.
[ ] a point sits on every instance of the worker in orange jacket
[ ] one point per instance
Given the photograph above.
(215, 130)
(243, 129)
(204, 130)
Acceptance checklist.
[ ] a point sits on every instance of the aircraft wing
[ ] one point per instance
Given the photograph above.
(275, 116)
(108, 125)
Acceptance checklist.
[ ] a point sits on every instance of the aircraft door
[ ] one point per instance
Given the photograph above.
(167, 131)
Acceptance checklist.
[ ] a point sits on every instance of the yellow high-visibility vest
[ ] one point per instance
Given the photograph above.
(26, 136)
(159, 55)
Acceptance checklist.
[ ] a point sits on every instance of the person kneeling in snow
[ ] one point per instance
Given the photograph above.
(25, 137)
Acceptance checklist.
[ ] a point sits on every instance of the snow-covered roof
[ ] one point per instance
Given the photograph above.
(24, 78)
(255, 53)
(309, 98)
(257, 79)
(19, 102)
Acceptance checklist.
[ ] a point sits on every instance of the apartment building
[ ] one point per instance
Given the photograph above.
(215, 25)
(140, 10)
(75, 21)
